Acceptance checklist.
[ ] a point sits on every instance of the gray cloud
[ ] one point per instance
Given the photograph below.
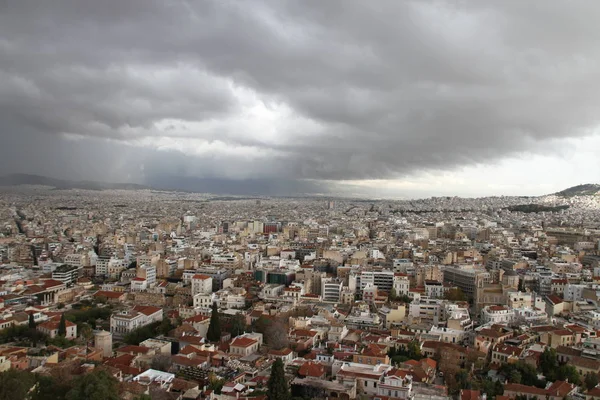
(374, 89)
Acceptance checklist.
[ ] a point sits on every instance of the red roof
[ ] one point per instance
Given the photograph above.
(147, 310)
(197, 318)
(53, 324)
(469, 394)
(243, 342)
(51, 283)
(312, 369)
(201, 277)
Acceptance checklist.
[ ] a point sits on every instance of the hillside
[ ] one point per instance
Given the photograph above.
(587, 189)
(26, 179)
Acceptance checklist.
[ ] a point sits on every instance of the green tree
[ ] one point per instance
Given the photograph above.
(96, 385)
(31, 321)
(143, 397)
(277, 386)
(85, 332)
(215, 383)
(62, 326)
(165, 326)
(548, 362)
(49, 388)
(238, 325)
(15, 384)
(568, 372)
(591, 380)
(515, 376)
(214, 327)
(462, 379)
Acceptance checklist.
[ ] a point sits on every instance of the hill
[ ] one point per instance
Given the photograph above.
(588, 189)
(26, 179)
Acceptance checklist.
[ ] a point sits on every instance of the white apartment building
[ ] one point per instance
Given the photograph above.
(384, 280)
(230, 261)
(201, 284)
(574, 292)
(449, 335)
(426, 308)
(401, 265)
(204, 300)
(434, 289)
(401, 285)
(101, 268)
(138, 284)
(123, 322)
(531, 315)
(147, 272)
(497, 315)
(331, 289)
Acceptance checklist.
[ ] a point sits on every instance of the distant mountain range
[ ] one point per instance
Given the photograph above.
(218, 186)
(588, 189)
(26, 179)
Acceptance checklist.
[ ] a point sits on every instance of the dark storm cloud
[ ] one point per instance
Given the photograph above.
(383, 88)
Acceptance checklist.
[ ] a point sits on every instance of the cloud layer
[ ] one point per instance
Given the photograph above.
(323, 90)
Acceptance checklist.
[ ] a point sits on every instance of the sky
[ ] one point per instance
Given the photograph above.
(387, 99)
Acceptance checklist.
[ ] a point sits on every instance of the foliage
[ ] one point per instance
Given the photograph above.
(142, 333)
(88, 315)
(553, 371)
(491, 388)
(548, 361)
(62, 326)
(49, 388)
(165, 326)
(455, 294)
(215, 383)
(97, 385)
(590, 380)
(277, 386)
(238, 325)
(527, 374)
(402, 298)
(85, 332)
(15, 384)
(161, 362)
(31, 321)
(565, 372)
(276, 335)
(214, 327)
(59, 341)
(462, 379)
(21, 333)
(411, 352)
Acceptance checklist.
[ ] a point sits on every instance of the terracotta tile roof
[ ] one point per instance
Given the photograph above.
(560, 388)
(147, 310)
(469, 394)
(518, 388)
(242, 342)
(312, 369)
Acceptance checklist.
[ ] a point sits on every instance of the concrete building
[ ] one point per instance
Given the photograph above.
(201, 284)
(103, 342)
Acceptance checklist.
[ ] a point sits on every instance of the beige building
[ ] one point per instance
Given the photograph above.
(243, 346)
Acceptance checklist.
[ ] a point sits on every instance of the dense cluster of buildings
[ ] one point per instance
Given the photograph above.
(360, 299)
